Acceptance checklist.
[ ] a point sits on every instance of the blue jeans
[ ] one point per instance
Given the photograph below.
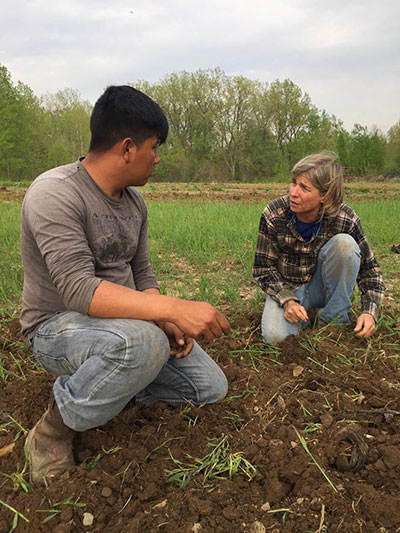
(103, 363)
(329, 290)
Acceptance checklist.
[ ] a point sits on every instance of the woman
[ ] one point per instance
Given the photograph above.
(311, 251)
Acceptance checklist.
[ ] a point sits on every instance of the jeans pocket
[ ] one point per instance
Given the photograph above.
(56, 365)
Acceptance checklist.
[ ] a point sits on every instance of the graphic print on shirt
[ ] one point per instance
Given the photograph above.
(115, 238)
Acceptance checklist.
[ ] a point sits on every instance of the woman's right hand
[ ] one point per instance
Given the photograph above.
(294, 312)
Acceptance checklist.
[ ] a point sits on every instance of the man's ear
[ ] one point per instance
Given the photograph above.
(128, 149)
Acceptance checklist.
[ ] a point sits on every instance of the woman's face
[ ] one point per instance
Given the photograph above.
(305, 199)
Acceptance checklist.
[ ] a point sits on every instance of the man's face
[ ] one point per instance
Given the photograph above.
(144, 161)
(305, 199)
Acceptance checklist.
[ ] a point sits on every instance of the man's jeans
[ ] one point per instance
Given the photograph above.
(103, 363)
(329, 290)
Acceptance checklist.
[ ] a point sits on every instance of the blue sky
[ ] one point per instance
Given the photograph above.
(344, 54)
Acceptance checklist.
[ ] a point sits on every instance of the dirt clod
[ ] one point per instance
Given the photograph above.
(256, 527)
(106, 492)
(326, 420)
(88, 519)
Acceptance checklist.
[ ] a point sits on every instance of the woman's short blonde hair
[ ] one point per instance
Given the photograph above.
(326, 174)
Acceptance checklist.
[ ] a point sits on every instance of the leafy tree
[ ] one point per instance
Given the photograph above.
(343, 145)
(376, 152)
(190, 102)
(367, 151)
(215, 125)
(10, 158)
(392, 159)
(66, 125)
(236, 109)
(21, 137)
(289, 110)
(221, 128)
(319, 133)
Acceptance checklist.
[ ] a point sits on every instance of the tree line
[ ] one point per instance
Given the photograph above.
(222, 128)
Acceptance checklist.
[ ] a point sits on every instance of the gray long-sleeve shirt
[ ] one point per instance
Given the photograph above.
(73, 236)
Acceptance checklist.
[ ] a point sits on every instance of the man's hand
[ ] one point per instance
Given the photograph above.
(294, 312)
(194, 319)
(181, 345)
(365, 326)
(191, 319)
(200, 319)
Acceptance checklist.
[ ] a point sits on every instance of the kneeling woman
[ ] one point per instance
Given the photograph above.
(311, 251)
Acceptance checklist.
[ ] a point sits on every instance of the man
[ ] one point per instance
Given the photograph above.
(310, 253)
(92, 309)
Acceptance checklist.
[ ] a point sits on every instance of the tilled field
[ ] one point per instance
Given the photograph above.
(306, 441)
(235, 192)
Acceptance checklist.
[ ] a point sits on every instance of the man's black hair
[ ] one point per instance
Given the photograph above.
(122, 111)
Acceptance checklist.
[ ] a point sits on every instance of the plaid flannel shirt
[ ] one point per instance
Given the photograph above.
(284, 260)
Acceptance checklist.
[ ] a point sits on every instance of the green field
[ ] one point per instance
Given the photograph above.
(204, 249)
(290, 414)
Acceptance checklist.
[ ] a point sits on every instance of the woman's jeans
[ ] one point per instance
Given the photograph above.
(329, 290)
(103, 363)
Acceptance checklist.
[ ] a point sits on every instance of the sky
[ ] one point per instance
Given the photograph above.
(345, 54)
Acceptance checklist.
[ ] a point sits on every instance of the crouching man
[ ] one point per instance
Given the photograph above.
(92, 310)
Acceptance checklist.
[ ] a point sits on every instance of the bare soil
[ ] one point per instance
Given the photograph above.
(234, 192)
(340, 393)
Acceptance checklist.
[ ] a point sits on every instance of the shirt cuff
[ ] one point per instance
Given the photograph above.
(284, 296)
(371, 308)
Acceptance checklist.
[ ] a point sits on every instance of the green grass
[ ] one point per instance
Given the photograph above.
(380, 220)
(17, 515)
(204, 250)
(10, 264)
(219, 464)
(306, 448)
(204, 231)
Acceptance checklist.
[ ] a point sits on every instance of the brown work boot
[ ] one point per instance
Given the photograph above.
(49, 446)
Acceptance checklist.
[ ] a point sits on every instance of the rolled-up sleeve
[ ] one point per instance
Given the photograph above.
(369, 279)
(57, 226)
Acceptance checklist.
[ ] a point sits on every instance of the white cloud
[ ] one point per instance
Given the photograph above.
(345, 55)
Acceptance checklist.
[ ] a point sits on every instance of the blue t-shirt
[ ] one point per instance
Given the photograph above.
(306, 229)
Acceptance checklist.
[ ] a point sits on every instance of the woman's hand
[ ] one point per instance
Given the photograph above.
(294, 312)
(365, 326)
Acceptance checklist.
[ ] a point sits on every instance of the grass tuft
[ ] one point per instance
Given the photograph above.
(219, 464)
